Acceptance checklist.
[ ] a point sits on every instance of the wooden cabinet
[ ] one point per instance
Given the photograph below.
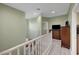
(65, 36)
(77, 43)
(78, 39)
(56, 34)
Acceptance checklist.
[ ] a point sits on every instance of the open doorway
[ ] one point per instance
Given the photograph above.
(44, 27)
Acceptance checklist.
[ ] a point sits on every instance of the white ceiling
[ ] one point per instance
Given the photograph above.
(45, 8)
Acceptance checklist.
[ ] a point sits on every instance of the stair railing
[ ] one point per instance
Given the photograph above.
(37, 46)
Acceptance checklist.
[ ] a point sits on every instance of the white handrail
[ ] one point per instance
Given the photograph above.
(23, 44)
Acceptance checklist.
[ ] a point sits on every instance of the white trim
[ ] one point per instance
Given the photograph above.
(73, 31)
(45, 36)
(10, 53)
(24, 49)
(18, 51)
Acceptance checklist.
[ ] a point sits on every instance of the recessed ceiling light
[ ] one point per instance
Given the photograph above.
(53, 12)
(38, 8)
(35, 13)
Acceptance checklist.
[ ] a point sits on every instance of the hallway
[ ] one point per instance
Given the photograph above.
(57, 50)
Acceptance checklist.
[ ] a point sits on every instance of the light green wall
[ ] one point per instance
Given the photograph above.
(34, 27)
(13, 27)
(44, 26)
(77, 18)
(45, 19)
(60, 20)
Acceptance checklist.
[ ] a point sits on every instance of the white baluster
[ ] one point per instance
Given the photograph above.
(18, 51)
(29, 48)
(36, 47)
(24, 49)
(10, 53)
(40, 47)
(33, 48)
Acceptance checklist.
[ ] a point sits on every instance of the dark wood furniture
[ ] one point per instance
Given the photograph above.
(56, 34)
(77, 43)
(77, 29)
(65, 36)
(77, 39)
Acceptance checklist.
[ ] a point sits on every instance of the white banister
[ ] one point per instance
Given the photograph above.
(38, 46)
(18, 51)
(32, 48)
(29, 46)
(10, 53)
(24, 49)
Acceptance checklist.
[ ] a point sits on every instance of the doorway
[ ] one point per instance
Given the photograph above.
(44, 27)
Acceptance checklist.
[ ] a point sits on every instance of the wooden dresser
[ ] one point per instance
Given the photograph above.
(56, 34)
(77, 43)
(78, 39)
(65, 36)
